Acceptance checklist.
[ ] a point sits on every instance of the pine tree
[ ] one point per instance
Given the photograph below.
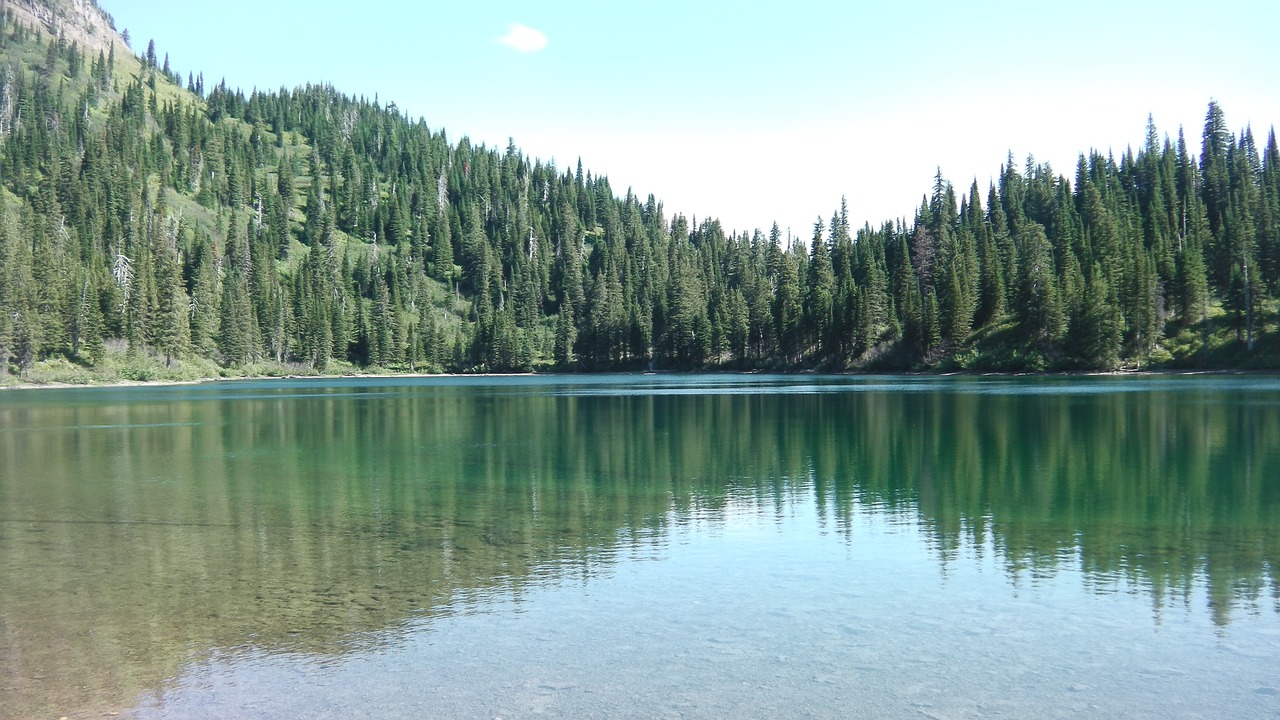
(906, 298)
(141, 302)
(174, 332)
(1094, 334)
(991, 295)
(820, 296)
(238, 330)
(387, 350)
(1040, 308)
(955, 313)
(931, 321)
(314, 295)
(1215, 181)
(566, 335)
(788, 311)
(92, 346)
(204, 308)
(1192, 286)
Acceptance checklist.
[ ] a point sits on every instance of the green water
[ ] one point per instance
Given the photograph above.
(643, 546)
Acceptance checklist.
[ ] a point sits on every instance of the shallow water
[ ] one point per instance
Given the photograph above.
(643, 546)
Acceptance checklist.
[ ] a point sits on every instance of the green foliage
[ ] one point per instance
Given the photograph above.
(307, 229)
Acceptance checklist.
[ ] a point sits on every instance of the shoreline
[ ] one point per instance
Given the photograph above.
(251, 378)
(390, 376)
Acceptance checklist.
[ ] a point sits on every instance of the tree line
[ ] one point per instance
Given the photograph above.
(317, 230)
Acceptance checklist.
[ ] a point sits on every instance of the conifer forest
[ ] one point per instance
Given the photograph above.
(154, 220)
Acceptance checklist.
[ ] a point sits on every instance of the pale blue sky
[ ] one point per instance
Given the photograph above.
(755, 114)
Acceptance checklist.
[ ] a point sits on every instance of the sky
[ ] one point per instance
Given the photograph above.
(758, 113)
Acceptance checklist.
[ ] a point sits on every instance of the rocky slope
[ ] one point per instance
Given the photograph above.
(79, 21)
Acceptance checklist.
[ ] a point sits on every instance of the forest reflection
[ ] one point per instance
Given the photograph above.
(139, 535)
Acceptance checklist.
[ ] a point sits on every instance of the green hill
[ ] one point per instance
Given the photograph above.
(154, 226)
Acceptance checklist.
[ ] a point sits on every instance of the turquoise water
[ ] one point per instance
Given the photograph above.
(643, 546)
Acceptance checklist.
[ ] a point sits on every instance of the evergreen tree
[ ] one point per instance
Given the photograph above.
(1040, 308)
(788, 312)
(92, 347)
(204, 309)
(566, 335)
(174, 333)
(821, 295)
(238, 330)
(1095, 327)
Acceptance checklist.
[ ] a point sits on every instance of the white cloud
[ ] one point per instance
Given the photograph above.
(524, 39)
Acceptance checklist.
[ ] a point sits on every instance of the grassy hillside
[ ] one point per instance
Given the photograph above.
(42, 23)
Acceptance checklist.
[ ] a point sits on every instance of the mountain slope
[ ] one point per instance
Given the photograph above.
(79, 21)
(156, 228)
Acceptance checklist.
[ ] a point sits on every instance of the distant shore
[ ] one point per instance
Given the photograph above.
(55, 385)
(249, 378)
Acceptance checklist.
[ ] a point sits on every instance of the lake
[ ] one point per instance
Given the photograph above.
(699, 546)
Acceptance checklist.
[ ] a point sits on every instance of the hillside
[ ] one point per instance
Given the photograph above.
(153, 226)
(77, 21)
